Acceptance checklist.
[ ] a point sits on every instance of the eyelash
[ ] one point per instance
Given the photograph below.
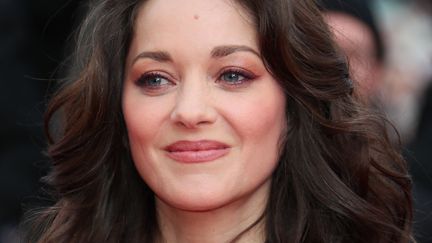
(247, 76)
(143, 80)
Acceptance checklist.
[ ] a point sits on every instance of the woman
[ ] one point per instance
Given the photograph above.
(217, 121)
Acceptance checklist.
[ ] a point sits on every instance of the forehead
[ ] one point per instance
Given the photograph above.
(193, 22)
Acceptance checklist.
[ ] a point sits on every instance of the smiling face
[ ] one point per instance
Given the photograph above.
(204, 117)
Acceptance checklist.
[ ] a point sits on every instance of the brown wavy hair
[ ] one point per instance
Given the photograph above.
(339, 177)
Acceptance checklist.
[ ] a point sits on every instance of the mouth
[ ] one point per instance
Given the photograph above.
(196, 151)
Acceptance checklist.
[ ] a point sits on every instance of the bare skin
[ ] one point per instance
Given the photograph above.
(194, 74)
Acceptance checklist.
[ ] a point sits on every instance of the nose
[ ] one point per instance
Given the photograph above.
(194, 107)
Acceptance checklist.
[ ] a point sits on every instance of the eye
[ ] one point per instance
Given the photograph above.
(232, 77)
(154, 81)
(235, 77)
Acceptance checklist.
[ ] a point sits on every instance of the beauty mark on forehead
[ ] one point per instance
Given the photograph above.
(196, 16)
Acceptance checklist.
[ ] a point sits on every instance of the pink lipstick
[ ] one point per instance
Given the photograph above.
(196, 151)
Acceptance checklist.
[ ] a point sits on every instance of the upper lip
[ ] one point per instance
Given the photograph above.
(184, 145)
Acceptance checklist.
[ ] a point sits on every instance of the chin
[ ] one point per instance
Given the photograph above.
(197, 201)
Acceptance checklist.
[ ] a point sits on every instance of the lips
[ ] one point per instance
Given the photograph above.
(196, 151)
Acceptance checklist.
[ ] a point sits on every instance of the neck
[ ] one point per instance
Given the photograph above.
(218, 225)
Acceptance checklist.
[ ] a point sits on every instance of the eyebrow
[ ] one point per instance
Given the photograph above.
(159, 56)
(223, 51)
(217, 52)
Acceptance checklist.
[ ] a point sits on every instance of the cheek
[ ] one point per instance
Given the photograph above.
(143, 122)
(143, 117)
(258, 120)
(260, 116)
(137, 122)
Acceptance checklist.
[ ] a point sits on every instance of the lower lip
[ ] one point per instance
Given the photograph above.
(198, 156)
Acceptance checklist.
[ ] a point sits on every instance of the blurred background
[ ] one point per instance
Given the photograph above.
(406, 92)
(392, 55)
(33, 37)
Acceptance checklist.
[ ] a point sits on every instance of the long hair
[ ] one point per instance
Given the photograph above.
(339, 178)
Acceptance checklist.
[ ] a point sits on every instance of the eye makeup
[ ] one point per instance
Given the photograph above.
(154, 82)
(235, 77)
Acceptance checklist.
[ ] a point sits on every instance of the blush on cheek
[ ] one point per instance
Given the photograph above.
(262, 117)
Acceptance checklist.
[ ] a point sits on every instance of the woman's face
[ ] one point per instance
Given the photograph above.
(203, 115)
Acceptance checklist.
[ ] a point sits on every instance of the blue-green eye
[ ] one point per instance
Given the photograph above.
(232, 77)
(154, 82)
(235, 77)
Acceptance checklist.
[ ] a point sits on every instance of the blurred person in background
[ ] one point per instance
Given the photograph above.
(396, 80)
(407, 28)
(356, 32)
(32, 37)
(407, 95)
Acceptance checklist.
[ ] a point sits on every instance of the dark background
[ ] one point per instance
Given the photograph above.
(34, 39)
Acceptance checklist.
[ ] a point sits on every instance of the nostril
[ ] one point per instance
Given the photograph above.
(192, 117)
